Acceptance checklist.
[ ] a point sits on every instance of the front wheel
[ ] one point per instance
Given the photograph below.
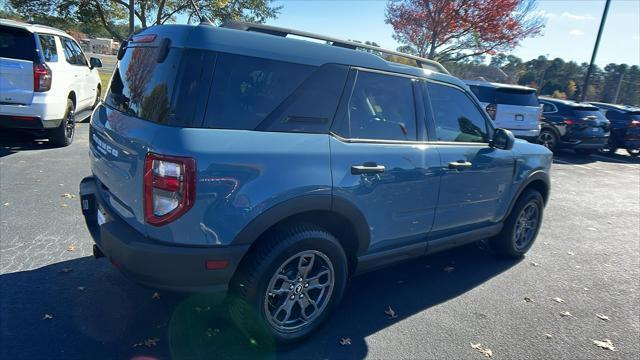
(521, 227)
(633, 152)
(288, 285)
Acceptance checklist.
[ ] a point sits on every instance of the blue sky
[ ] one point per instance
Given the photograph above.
(570, 33)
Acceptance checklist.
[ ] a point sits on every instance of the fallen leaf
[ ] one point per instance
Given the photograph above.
(592, 229)
(603, 317)
(47, 317)
(566, 314)
(81, 288)
(253, 342)
(605, 344)
(448, 269)
(151, 342)
(67, 195)
(391, 313)
(586, 289)
(570, 253)
(71, 248)
(155, 296)
(548, 336)
(345, 341)
(558, 300)
(67, 270)
(528, 299)
(5, 204)
(535, 263)
(482, 349)
(64, 205)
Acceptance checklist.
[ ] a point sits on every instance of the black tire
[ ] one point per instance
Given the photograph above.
(548, 139)
(97, 100)
(506, 243)
(64, 133)
(585, 152)
(633, 152)
(253, 290)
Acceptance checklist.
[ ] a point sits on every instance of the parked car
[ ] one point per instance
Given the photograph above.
(46, 82)
(625, 127)
(574, 125)
(511, 107)
(230, 160)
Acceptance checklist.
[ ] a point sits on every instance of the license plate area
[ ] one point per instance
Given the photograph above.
(101, 216)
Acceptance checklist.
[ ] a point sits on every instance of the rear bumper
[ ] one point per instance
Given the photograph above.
(27, 122)
(175, 268)
(529, 135)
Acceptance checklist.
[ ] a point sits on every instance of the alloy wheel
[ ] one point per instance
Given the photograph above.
(70, 124)
(547, 139)
(299, 291)
(526, 225)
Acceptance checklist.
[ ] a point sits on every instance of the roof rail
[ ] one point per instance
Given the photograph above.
(283, 32)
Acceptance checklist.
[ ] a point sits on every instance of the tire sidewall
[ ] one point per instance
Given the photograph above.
(528, 197)
(555, 138)
(306, 240)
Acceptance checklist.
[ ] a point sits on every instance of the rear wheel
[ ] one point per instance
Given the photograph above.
(521, 227)
(64, 133)
(288, 285)
(633, 152)
(548, 139)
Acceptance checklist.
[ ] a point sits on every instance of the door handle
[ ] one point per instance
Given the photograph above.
(460, 164)
(367, 168)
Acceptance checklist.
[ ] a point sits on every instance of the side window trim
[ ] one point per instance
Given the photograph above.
(432, 127)
(555, 108)
(346, 99)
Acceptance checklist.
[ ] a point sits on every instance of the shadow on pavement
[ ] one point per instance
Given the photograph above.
(13, 141)
(574, 158)
(98, 314)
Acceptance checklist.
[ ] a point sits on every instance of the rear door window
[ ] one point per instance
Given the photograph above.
(48, 47)
(247, 89)
(17, 44)
(588, 112)
(141, 86)
(455, 115)
(380, 107)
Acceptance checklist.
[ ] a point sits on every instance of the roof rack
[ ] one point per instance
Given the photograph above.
(283, 32)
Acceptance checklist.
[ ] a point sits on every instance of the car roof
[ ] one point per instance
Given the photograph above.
(570, 103)
(259, 44)
(33, 28)
(497, 85)
(614, 106)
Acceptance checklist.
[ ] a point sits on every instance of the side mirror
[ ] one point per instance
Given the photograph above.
(502, 139)
(95, 62)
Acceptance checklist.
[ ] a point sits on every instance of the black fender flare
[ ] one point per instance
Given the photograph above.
(302, 204)
(533, 176)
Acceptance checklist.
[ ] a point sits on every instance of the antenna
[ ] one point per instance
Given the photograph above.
(203, 19)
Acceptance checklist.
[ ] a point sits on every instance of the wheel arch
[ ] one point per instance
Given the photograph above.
(72, 96)
(538, 180)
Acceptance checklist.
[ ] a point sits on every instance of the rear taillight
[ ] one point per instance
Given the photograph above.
(169, 187)
(634, 123)
(41, 77)
(491, 110)
(568, 121)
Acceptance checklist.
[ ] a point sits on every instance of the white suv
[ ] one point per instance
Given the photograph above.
(511, 107)
(46, 82)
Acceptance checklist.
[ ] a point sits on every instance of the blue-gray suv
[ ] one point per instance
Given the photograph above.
(241, 161)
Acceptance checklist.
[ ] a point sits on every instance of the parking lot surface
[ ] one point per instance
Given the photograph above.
(57, 302)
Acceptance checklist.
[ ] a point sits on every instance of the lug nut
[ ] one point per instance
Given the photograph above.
(292, 297)
(299, 279)
(301, 296)
(291, 287)
(306, 285)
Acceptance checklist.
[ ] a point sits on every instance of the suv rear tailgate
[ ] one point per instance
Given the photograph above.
(518, 117)
(17, 53)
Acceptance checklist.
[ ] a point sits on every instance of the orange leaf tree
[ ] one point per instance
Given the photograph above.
(451, 30)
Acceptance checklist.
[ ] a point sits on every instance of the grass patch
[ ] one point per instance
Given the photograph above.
(104, 79)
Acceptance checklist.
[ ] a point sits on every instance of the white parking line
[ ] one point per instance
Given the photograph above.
(570, 163)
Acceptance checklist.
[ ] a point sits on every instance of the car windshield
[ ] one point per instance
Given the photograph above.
(512, 96)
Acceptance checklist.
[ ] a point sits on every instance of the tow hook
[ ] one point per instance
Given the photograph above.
(97, 253)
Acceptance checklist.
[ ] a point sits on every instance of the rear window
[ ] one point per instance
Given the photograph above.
(588, 112)
(507, 96)
(17, 44)
(141, 86)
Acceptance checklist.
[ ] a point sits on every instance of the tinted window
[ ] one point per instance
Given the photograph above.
(192, 88)
(380, 107)
(484, 93)
(588, 112)
(17, 44)
(48, 47)
(455, 115)
(247, 89)
(71, 53)
(546, 107)
(77, 51)
(141, 86)
(519, 97)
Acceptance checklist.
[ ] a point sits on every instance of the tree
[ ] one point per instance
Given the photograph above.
(452, 30)
(113, 14)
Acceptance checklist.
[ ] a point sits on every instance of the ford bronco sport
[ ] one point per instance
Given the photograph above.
(237, 160)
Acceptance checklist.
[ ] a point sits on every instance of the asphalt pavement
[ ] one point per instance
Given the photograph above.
(57, 302)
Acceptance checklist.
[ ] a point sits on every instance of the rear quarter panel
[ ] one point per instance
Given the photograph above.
(240, 174)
